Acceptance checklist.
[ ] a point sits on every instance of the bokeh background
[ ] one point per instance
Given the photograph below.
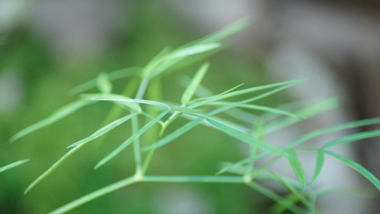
(50, 47)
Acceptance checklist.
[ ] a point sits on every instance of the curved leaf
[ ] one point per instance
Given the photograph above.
(295, 163)
(194, 84)
(57, 115)
(104, 130)
(318, 165)
(12, 165)
(353, 137)
(131, 139)
(358, 168)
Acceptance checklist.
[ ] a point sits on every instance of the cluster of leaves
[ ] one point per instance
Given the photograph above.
(301, 198)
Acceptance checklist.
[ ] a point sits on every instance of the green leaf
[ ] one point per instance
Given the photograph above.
(358, 168)
(241, 92)
(295, 163)
(277, 198)
(307, 112)
(174, 57)
(12, 165)
(318, 165)
(132, 102)
(59, 162)
(104, 130)
(131, 139)
(294, 191)
(57, 115)
(103, 83)
(167, 139)
(112, 76)
(223, 33)
(194, 84)
(353, 137)
(242, 162)
(339, 127)
(245, 137)
(260, 108)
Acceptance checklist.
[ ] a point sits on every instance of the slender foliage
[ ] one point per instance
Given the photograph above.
(264, 120)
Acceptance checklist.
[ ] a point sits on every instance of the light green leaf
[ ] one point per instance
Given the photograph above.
(277, 198)
(57, 115)
(339, 127)
(167, 139)
(295, 163)
(241, 92)
(131, 139)
(245, 137)
(112, 76)
(174, 57)
(242, 162)
(358, 168)
(318, 165)
(12, 165)
(194, 84)
(294, 191)
(223, 33)
(132, 102)
(187, 51)
(353, 137)
(60, 161)
(51, 169)
(307, 112)
(104, 130)
(103, 83)
(260, 108)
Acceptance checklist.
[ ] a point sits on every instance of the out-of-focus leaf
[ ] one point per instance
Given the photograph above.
(295, 163)
(245, 137)
(307, 112)
(318, 165)
(12, 165)
(126, 72)
(194, 84)
(339, 127)
(103, 83)
(353, 137)
(358, 168)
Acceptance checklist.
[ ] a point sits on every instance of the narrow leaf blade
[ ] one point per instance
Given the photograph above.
(57, 115)
(318, 165)
(358, 168)
(194, 84)
(353, 137)
(187, 127)
(12, 165)
(131, 139)
(245, 137)
(339, 127)
(104, 130)
(295, 163)
(103, 83)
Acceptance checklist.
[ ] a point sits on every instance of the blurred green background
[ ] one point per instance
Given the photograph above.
(49, 48)
(44, 76)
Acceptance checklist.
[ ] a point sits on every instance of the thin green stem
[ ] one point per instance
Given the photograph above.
(136, 146)
(142, 88)
(135, 128)
(94, 195)
(197, 179)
